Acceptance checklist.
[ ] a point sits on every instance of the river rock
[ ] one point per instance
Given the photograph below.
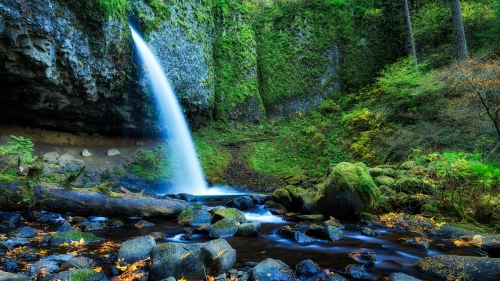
(420, 242)
(65, 228)
(249, 228)
(34, 270)
(334, 233)
(77, 262)
(60, 258)
(348, 191)
(369, 232)
(241, 203)
(13, 277)
(226, 227)
(309, 203)
(191, 261)
(272, 270)
(14, 242)
(86, 153)
(232, 213)
(261, 198)
(136, 249)
(333, 277)
(94, 226)
(451, 267)
(67, 237)
(275, 208)
(296, 235)
(398, 276)
(51, 157)
(194, 217)
(307, 267)
(79, 274)
(289, 196)
(113, 152)
(23, 232)
(354, 271)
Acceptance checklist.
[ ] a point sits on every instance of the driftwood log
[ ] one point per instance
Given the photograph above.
(85, 202)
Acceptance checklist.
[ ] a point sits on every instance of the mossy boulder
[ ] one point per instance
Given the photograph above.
(136, 249)
(249, 228)
(450, 267)
(67, 237)
(194, 217)
(290, 197)
(232, 213)
(309, 203)
(348, 191)
(226, 227)
(275, 208)
(408, 165)
(79, 275)
(384, 180)
(413, 185)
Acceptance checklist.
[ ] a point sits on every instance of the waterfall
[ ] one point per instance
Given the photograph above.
(188, 176)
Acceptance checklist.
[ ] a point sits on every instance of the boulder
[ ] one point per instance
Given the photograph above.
(232, 213)
(289, 196)
(86, 153)
(309, 202)
(77, 262)
(13, 277)
(384, 180)
(369, 232)
(348, 191)
(191, 261)
(34, 269)
(249, 228)
(354, 271)
(296, 235)
(275, 208)
(334, 233)
(66, 227)
(408, 165)
(272, 270)
(226, 227)
(112, 152)
(261, 198)
(333, 277)
(398, 276)
(136, 249)
(241, 203)
(23, 232)
(80, 274)
(451, 267)
(194, 217)
(307, 267)
(51, 157)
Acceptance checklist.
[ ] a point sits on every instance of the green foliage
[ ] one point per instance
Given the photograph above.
(152, 164)
(161, 12)
(21, 146)
(329, 106)
(213, 158)
(110, 8)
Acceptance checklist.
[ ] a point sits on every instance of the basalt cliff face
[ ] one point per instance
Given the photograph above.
(65, 66)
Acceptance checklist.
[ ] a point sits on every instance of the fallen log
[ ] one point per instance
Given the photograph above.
(56, 198)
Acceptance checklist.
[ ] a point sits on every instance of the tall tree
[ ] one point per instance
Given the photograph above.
(410, 42)
(458, 28)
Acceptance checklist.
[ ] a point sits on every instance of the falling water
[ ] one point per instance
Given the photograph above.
(188, 176)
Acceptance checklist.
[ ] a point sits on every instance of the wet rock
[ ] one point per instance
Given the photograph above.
(14, 242)
(136, 249)
(78, 219)
(296, 235)
(112, 152)
(261, 198)
(67, 237)
(348, 191)
(307, 267)
(275, 208)
(13, 277)
(59, 259)
(226, 227)
(398, 276)
(83, 224)
(14, 218)
(369, 232)
(79, 274)
(370, 256)
(299, 217)
(66, 227)
(23, 232)
(241, 203)
(51, 157)
(333, 277)
(10, 265)
(50, 266)
(191, 261)
(186, 197)
(334, 233)
(86, 153)
(157, 235)
(94, 226)
(249, 228)
(114, 223)
(232, 213)
(143, 223)
(420, 242)
(451, 267)
(77, 262)
(309, 203)
(354, 271)
(194, 217)
(49, 218)
(272, 270)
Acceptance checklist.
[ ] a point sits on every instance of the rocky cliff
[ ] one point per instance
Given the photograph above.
(69, 66)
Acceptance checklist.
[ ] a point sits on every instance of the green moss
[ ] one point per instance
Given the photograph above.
(161, 12)
(231, 213)
(184, 214)
(213, 158)
(67, 237)
(84, 275)
(152, 164)
(109, 8)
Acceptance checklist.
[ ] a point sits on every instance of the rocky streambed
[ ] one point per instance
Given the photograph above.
(213, 240)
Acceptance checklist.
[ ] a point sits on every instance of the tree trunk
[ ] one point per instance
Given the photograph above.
(85, 202)
(458, 28)
(409, 33)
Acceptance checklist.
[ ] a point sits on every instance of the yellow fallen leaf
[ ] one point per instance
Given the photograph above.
(99, 269)
(64, 245)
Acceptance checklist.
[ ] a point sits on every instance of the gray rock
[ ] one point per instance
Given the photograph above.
(65, 159)
(369, 232)
(50, 266)
(226, 227)
(333, 277)
(13, 242)
(65, 227)
(334, 233)
(77, 262)
(51, 157)
(249, 228)
(398, 276)
(113, 152)
(59, 259)
(466, 268)
(84, 273)
(7, 276)
(191, 261)
(94, 226)
(275, 208)
(261, 198)
(86, 153)
(272, 270)
(194, 217)
(241, 203)
(136, 249)
(232, 213)
(307, 267)
(23, 232)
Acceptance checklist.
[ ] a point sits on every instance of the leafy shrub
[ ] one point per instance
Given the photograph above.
(152, 164)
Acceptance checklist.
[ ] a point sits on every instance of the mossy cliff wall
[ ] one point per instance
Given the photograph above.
(70, 66)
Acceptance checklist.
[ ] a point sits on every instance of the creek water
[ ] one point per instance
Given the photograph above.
(393, 254)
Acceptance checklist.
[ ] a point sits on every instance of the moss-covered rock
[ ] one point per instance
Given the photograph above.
(232, 213)
(408, 165)
(413, 185)
(461, 268)
(275, 208)
(289, 196)
(67, 237)
(348, 191)
(226, 227)
(136, 249)
(384, 180)
(309, 202)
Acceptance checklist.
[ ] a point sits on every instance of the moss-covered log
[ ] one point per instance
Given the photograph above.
(85, 202)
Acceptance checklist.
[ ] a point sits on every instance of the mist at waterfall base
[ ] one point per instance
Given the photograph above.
(187, 176)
